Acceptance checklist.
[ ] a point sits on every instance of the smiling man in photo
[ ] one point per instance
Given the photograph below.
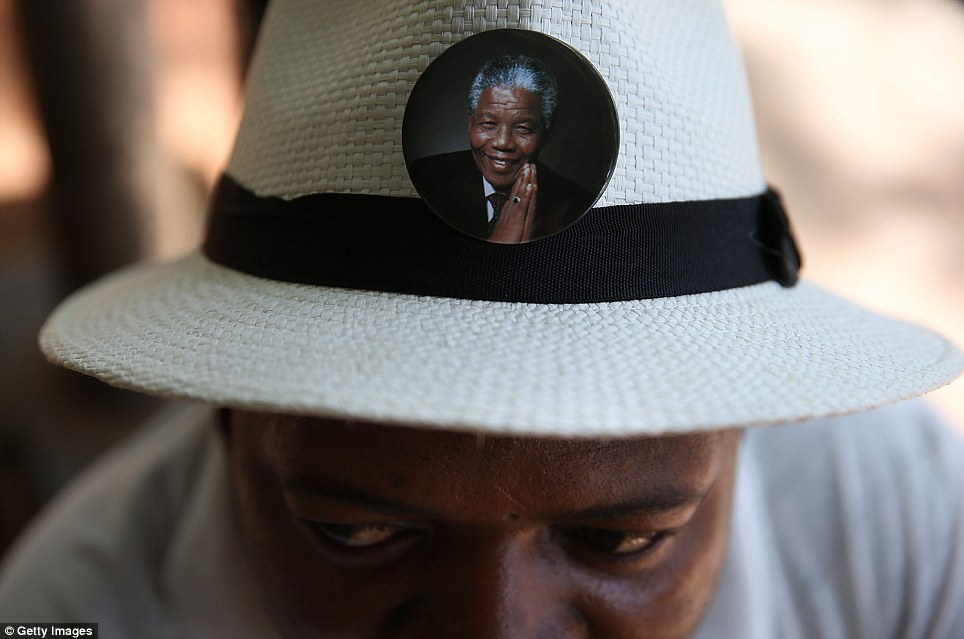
(500, 190)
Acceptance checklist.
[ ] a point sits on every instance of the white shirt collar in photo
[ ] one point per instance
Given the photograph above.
(487, 190)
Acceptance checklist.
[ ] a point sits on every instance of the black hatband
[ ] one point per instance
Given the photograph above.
(613, 253)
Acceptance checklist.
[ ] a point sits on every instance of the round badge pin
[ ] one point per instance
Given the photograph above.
(510, 136)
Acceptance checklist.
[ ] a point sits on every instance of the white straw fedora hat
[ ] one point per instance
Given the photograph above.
(331, 284)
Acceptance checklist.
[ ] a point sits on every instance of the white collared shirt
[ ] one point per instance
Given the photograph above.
(487, 190)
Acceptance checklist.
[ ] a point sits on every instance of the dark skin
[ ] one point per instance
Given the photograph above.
(363, 531)
(506, 133)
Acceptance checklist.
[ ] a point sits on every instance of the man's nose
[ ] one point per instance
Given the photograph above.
(503, 139)
(501, 589)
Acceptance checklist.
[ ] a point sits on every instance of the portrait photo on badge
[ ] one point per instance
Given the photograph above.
(510, 136)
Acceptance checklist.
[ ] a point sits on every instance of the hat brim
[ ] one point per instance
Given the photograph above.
(757, 355)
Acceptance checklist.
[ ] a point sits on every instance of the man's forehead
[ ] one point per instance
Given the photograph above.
(670, 468)
(295, 431)
(518, 97)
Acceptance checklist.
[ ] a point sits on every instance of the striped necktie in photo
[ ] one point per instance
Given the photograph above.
(498, 200)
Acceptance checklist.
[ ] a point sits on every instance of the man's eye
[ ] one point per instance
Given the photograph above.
(615, 542)
(523, 130)
(357, 535)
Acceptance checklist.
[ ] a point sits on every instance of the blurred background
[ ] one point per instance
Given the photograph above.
(116, 117)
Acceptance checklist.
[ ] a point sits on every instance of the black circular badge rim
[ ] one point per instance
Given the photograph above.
(497, 42)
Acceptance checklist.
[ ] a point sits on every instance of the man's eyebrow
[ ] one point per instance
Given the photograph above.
(337, 491)
(659, 501)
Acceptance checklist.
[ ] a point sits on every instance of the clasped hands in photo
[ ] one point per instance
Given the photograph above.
(514, 225)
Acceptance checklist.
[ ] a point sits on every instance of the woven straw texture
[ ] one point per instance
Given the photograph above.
(325, 105)
(341, 72)
(756, 355)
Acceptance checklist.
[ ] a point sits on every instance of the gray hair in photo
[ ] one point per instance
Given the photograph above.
(518, 71)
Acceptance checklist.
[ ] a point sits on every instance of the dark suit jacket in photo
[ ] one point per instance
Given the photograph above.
(452, 184)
